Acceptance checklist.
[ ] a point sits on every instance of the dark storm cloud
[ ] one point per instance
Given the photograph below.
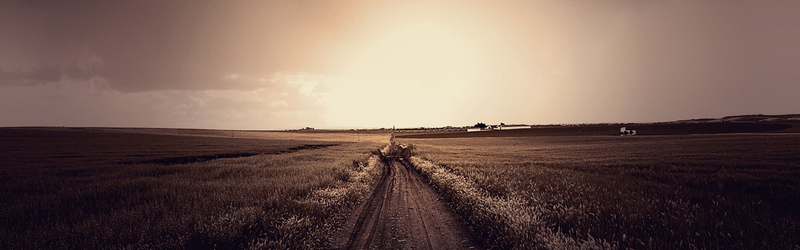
(161, 45)
(45, 73)
(40, 74)
(281, 102)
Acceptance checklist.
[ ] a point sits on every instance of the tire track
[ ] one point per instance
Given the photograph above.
(403, 212)
(370, 210)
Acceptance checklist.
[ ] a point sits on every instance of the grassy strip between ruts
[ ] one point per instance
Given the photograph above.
(284, 201)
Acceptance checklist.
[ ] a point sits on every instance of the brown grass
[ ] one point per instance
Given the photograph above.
(94, 190)
(657, 192)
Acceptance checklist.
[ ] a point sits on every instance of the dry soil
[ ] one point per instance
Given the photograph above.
(403, 212)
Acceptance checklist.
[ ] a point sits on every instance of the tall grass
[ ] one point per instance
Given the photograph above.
(506, 222)
(669, 192)
(90, 201)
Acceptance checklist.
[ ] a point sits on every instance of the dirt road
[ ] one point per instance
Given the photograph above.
(403, 212)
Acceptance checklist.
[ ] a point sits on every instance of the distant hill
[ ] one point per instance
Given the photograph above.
(749, 118)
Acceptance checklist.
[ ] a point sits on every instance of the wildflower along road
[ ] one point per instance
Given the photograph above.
(403, 212)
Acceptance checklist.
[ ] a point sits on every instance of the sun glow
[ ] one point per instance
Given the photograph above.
(416, 51)
(423, 64)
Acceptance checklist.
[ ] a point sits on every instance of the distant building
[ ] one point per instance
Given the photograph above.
(623, 131)
(499, 127)
(512, 127)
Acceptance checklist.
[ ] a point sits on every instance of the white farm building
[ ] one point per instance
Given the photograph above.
(512, 127)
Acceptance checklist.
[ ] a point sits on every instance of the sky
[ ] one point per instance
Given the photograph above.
(371, 64)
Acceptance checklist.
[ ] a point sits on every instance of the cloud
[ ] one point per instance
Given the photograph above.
(37, 75)
(175, 45)
(46, 74)
(269, 64)
(279, 102)
(283, 101)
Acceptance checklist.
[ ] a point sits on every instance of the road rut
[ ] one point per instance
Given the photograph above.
(403, 212)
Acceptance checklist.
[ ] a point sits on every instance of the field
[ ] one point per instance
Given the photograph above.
(112, 188)
(168, 189)
(720, 191)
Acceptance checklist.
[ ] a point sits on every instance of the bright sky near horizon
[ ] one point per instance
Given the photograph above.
(363, 64)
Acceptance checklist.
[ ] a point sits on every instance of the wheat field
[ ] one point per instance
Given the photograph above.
(110, 190)
(595, 192)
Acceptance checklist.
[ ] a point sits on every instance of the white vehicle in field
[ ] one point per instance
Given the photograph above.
(623, 131)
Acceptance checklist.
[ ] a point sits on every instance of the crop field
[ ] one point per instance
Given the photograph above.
(658, 192)
(720, 191)
(147, 189)
(142, 188)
